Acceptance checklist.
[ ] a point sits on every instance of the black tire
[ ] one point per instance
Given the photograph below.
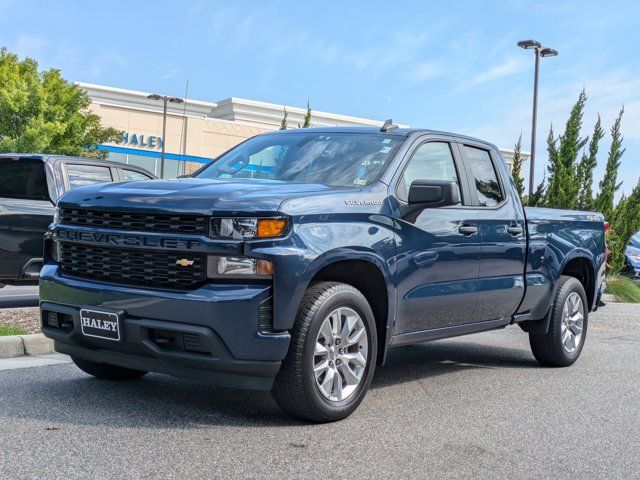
(105, 371)
(295, 390)
(548, 348)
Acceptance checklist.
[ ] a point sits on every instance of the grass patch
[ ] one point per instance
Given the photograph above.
(623, 288)
(10, 330)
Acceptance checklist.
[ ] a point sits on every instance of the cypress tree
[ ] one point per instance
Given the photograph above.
(537, 198)
(586, 166)
(516, 170)
(608, 186)
(307, 117)
(283, 124)
(551, 189)
(563, 188)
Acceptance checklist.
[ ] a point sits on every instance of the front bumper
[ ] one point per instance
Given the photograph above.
(222, 321)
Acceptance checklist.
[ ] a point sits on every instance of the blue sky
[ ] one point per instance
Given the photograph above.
(444, 65)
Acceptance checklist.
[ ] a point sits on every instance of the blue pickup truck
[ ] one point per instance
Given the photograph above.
(295, 261)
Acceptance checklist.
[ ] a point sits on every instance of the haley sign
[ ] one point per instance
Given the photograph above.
(141, 141)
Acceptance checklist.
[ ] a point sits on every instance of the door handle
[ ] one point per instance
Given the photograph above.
(468, 229)
(514, 230)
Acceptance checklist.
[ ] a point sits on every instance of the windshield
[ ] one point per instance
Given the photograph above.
(336, 159)
(635, 240)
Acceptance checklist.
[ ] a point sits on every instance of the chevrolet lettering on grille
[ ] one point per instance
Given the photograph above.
(125, 240)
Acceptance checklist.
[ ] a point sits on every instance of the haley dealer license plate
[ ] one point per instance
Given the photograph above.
(100, 323)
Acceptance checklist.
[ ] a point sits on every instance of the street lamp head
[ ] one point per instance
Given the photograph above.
(176, 100)
(548, 52)
(154, 96)
(529, 44)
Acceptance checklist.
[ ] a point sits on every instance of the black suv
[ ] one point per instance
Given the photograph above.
(30, 185)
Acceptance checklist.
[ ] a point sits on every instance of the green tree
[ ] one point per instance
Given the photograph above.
(586, 166)
(552, 151)
(43, 113)
(516, 170)
(307, 117)
(624, 222)
(283, 123)
(537, 198)
(609, 184)
(563, 189)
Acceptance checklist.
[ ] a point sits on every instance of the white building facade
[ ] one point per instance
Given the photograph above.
(196, 131)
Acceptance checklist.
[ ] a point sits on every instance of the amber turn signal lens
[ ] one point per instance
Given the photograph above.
(271, 227)
(264, 267)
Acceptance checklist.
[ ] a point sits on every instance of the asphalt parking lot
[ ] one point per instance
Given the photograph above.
(472, 407)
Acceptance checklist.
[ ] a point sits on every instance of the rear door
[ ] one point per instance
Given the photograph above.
(438, 249)
(502, 231)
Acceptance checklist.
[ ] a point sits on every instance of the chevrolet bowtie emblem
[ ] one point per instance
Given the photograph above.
(183, 262)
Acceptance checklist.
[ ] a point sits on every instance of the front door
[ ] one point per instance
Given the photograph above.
(438, 249)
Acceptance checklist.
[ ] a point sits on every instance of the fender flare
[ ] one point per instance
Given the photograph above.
(348, 254)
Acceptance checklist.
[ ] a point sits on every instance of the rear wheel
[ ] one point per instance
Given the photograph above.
(562, 344)
(332, 354)
(106, 371)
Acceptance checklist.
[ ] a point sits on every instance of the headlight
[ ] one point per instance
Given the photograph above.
(245, 228)
(238, 267)
(634, 258)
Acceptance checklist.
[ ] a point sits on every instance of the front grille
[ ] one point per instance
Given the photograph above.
(132, 267)
(143, 222)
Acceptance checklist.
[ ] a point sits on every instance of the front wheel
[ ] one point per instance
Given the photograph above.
(331, 357)
(562, 344)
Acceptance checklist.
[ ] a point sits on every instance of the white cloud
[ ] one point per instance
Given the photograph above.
(509, 67)
(425, 71)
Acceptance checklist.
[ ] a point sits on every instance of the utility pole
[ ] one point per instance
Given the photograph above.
(165, 99)
(539, 51)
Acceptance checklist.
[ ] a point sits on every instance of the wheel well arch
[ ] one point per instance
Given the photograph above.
(367, 277)
(582, 269)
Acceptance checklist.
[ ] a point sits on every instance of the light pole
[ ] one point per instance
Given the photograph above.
(165, 99)
(539, 51)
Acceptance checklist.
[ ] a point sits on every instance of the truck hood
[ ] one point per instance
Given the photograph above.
(193, 195)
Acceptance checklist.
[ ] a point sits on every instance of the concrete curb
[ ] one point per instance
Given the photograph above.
(20, 345)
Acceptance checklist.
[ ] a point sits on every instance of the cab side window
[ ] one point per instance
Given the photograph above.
(80, 175)
(431, 161)
(132, 175)
(484, 176)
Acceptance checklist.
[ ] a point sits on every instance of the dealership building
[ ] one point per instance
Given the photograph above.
(196, 131)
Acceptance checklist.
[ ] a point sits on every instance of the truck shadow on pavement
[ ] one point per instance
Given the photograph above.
(439, 358)
(63, 396)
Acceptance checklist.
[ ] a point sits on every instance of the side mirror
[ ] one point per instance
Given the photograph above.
(434, 193)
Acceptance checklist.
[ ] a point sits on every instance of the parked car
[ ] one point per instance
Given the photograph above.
(632, 257)
(30, 185)
(298, 259)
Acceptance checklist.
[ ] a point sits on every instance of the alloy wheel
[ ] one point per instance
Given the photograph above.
(340, 355)
(572, 323)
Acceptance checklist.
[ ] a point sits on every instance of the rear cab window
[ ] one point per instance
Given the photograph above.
(23, 178)
(484, 176)
(79, 175)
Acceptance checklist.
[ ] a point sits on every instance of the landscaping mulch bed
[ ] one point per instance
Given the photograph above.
(27, 319)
